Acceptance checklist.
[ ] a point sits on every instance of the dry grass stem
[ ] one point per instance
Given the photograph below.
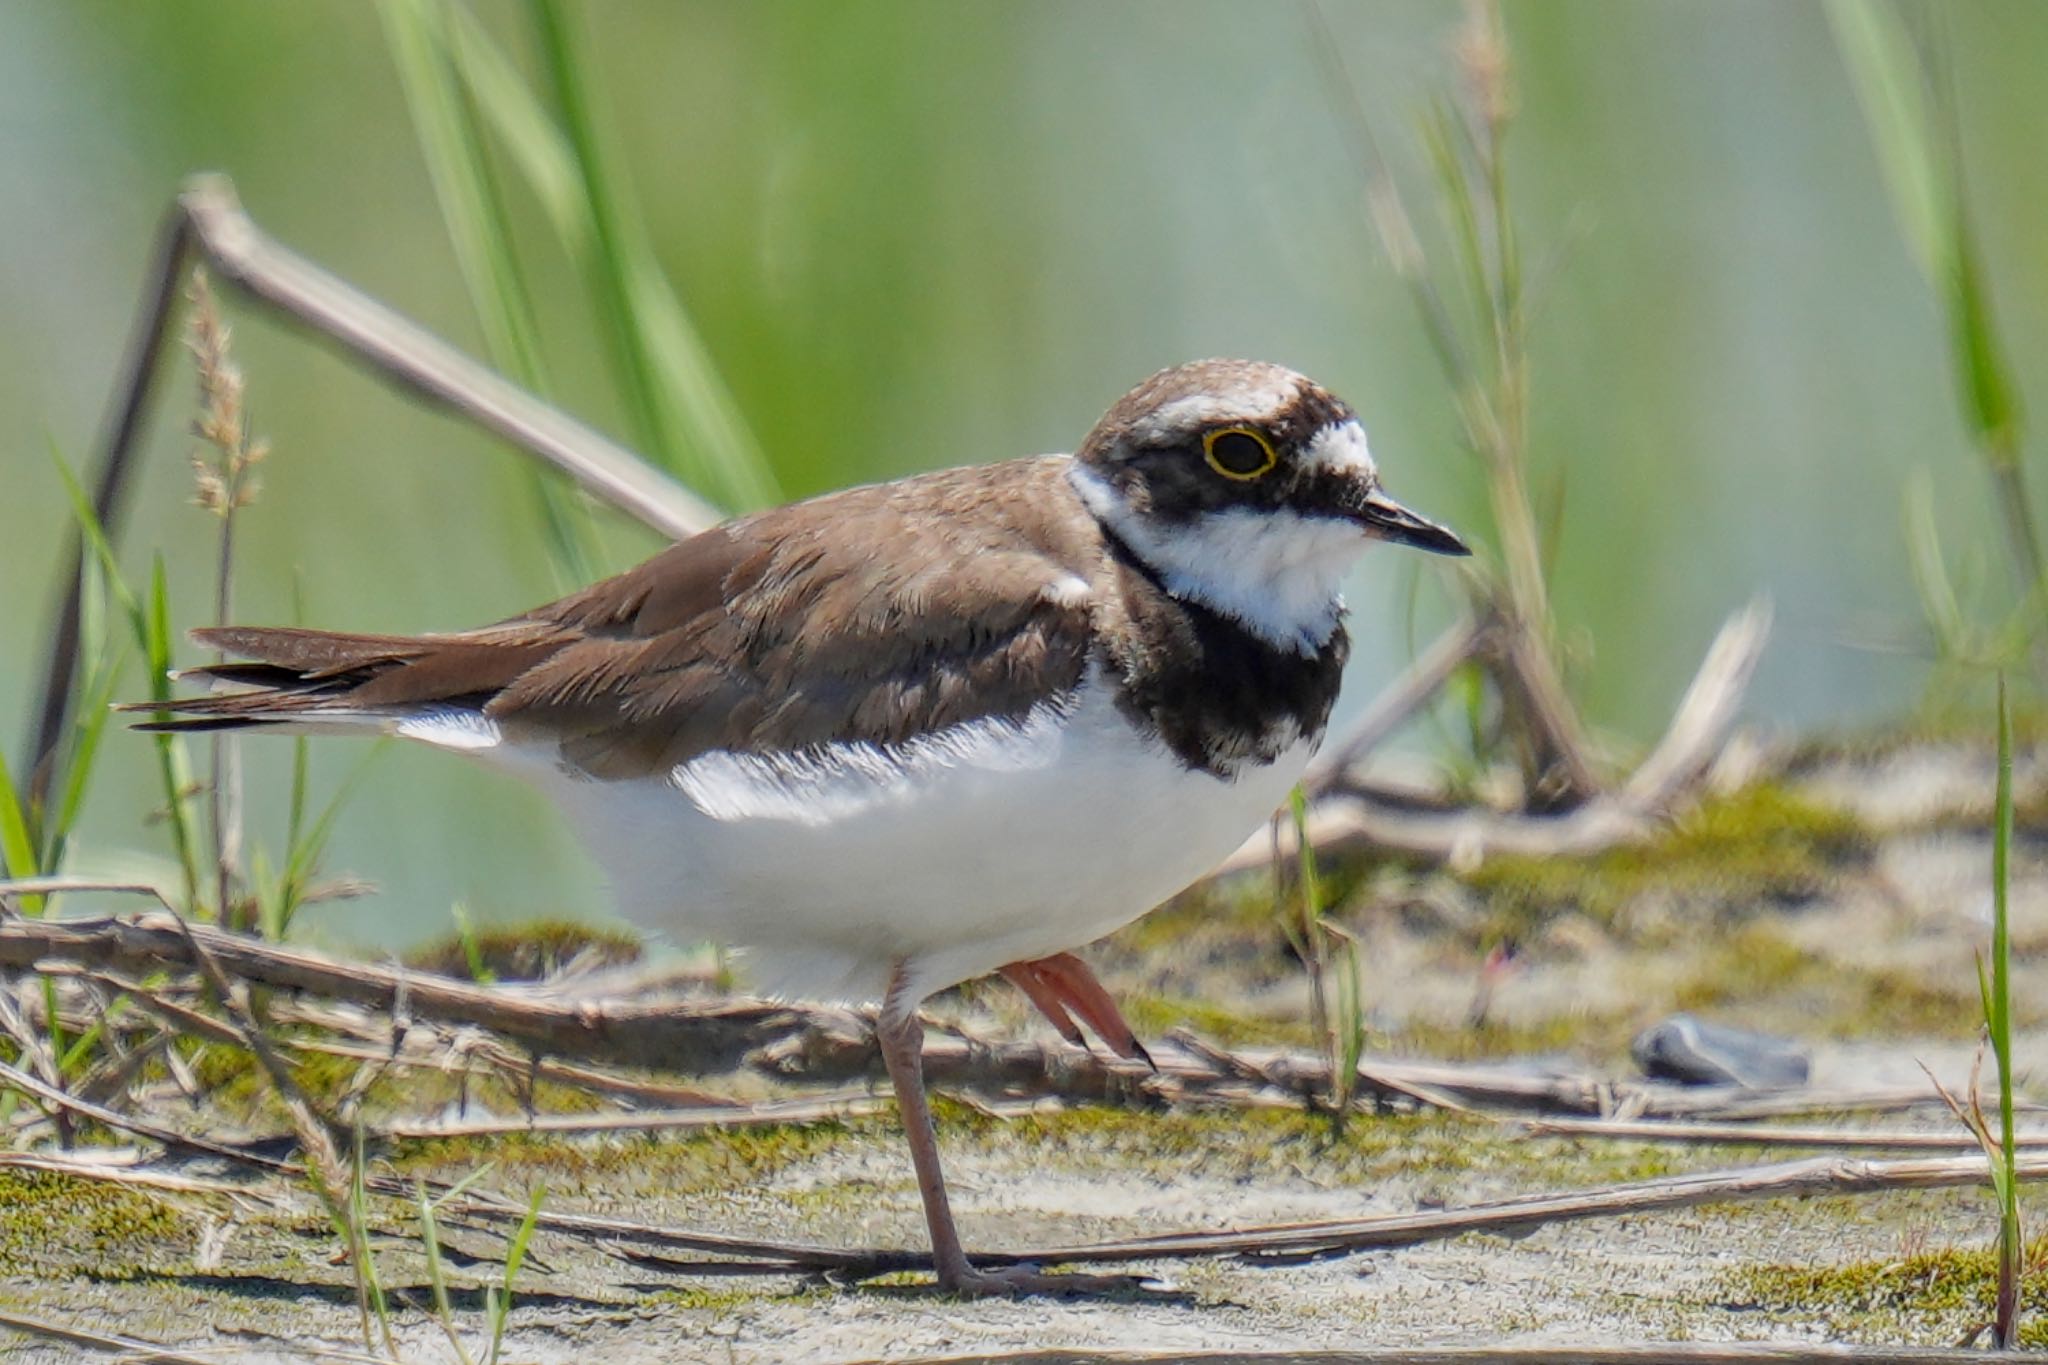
(793, 1044)
(129, 1350)
(224, 471)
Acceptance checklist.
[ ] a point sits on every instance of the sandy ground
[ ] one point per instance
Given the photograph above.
(1864, 975)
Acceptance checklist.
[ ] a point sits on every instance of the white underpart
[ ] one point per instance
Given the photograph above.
(958, 852)
(1278, 573)
(451, 727)
(987, 843)
(1068, 590)
(819, 787)
(1341, 449)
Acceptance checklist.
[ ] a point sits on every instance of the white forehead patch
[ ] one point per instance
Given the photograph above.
(1340, 448)
(1243, 402)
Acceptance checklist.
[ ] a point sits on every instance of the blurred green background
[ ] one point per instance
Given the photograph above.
(916, 234)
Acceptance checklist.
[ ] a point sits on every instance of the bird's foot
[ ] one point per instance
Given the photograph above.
(1022, 1281)
(1064, 988)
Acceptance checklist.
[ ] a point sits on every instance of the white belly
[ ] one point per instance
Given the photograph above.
(984, 845)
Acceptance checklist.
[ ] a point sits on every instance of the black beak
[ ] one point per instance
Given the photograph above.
(1389, 520)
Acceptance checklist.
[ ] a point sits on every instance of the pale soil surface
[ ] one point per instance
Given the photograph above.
(1875, 975)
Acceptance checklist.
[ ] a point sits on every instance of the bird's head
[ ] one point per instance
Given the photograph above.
(1247, 487)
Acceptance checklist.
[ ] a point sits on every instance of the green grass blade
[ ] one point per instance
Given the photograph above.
(2000, 1018)
(150, 624)
(470, 210)
(295, 805)
(515, 1256)
(1886, 74)
(1441, 137)
(17, 838)
(88, 728)
(271, 894)
(1305, 853)
(1938, 601)
(174, 766)
(100, 667)
(464, 1185)
(1920, 158)
(88, 522)
(82, 1048)
(354, 1223)
(472, 951)
(473, 211)
(684, 410)
(535, 144)
(1990, 396)
(304, 854)
(2005, 1170)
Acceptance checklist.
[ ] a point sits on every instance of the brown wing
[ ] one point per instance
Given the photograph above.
(873, 614)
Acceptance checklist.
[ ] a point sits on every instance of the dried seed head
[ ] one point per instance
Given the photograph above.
(221, 476)
(1481, 49)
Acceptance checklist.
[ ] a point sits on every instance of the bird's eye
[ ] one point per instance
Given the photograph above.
(1239, 453)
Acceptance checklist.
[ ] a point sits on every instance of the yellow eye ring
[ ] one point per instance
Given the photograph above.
(1239, 453)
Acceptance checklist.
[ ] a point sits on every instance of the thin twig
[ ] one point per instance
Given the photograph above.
(314, 1135)
(649, 1120)
(1351, 816)
(790, 1042)
(406, 353)
(208, 217)
(689, 1036)
(226, 484)
(1289, 1241)
(1292, 1242)
(128, 1123)
(122, 1172)
(132, 392)
(1401, 699)
(35, 1050)
(1705, 714)
(1793, 1179)
(132, 1350)
(1543, 1353)
(1765, 1135)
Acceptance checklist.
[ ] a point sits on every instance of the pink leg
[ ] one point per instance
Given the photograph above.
(901, 1036)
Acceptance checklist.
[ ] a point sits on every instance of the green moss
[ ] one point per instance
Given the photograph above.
(230, 1077)
(1957, 720)
(1754, 960)
(527, 952)
(1757, 966)
(1258, 1145)
(1596, 1035)
(58, 1225)
(241, 1090)
(1234, 907)
(723, 1301)
(1749, 849)
(1932, 1296)
(1153, 1016)
(715, 1159)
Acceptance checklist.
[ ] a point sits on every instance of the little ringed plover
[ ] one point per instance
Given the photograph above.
(899, 736)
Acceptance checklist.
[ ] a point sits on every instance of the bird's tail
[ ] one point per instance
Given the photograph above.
(318, 679)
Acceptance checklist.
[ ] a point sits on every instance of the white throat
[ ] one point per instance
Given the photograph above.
(1277, 573)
